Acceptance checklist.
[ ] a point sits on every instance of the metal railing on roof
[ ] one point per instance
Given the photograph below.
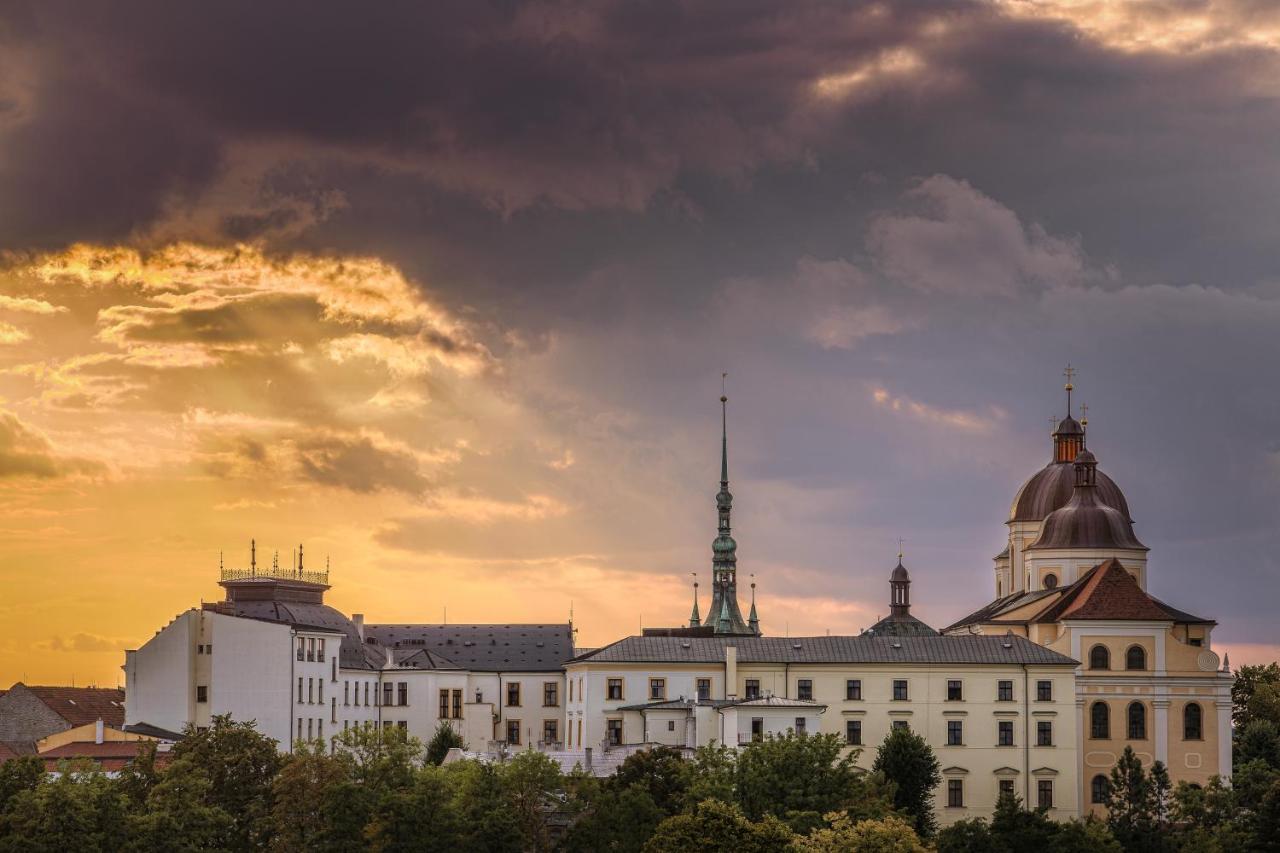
(274, 573)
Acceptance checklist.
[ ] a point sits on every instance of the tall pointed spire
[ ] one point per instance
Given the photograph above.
(724, 612)
(753, 621)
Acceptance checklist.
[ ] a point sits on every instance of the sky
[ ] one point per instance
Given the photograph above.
(444, 294)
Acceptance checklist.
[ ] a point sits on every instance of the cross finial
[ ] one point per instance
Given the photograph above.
(1070, 373)
(900, 543)
(723, 377)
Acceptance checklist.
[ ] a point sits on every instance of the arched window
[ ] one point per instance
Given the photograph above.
(1099, 788)
(1137, 721)
(1135, 658)
(1100, 721)
(1050, 581)
(1099, 658)
(1192, 722)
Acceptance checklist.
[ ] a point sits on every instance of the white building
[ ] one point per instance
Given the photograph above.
(274, 652)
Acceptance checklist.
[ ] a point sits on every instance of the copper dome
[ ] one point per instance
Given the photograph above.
(1050, 488)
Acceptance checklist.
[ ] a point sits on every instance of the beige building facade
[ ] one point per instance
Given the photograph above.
(1074, 579)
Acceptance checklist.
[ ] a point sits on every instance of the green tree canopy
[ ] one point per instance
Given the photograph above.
(446, 737)
(908, 762)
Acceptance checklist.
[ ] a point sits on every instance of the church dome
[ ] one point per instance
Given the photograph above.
(1086, 521)
(1050, 488)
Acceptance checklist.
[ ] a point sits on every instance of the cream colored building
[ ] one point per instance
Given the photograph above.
(1000, 712)
(1073, 578)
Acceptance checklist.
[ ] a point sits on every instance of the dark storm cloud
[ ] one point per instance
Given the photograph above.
(894, 223)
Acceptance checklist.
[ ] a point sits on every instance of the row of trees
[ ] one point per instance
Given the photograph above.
(226, 788)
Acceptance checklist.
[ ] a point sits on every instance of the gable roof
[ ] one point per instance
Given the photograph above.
(80, 706)
(1109, 591)
(483, 648)
(861, 649)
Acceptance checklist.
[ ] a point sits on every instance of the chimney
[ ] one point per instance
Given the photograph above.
(97, 731)
(358, 619)
(731, 672)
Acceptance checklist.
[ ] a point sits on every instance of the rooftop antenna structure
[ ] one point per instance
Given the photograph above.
(299, 559)
(253, 556)
(275, 563)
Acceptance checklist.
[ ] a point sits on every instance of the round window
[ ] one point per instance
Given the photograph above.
(1050, 581)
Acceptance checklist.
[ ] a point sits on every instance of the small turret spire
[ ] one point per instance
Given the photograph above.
(1070, 373)
(753, 620)
(695, 618)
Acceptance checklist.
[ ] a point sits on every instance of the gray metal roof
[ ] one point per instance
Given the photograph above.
(483, 648)
(797, 650)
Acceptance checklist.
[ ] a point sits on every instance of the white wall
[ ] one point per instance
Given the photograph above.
(159, 675)
(251, 668)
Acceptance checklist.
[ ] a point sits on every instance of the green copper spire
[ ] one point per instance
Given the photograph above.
(724, 612)
(696, 618)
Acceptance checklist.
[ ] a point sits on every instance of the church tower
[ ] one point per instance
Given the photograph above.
(724, 615)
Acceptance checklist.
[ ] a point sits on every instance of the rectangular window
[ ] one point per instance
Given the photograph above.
(1044, 794)
(202, 693)
(753, 688)
(955, 733)
(613, 689)
(513, 694)
(900, 690)
(804, 689)
(1195, 641)
(613, 730)
(320, 650)
(853, 732)
(346, 693)
(320, 729)
(403, 726)
(550, 731)
(387, 689)
(853, 690)
(320, 690)
(208, 649)
(570, 697)
(955, 793)
(333, 710)
(444, 704)
(657, 689)
(704, 689)
(299, 689)
(1044, 691)
(309, 728)
(457, 704)
(1004, 691)
(757, 728)
(550, 694)
(366, 693)
(299, 737)
(955, 691)
(311, 691)
(800, 725)
(402, 693)
(333, 670)
(311, 651)
(200, 649)
(1005, 788)
(1044, 733)
(671, 725)
(901, 724)
(302, 647)
(1006, 733)
(513, 732)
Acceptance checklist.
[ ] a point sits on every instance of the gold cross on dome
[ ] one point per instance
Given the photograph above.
(1070, 373)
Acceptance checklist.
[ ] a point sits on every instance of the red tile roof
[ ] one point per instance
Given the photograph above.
(80, 706)
(1109, 591)
(111, 755)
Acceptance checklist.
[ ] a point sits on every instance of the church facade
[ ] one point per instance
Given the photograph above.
(1073, 578)
(1035, 693)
